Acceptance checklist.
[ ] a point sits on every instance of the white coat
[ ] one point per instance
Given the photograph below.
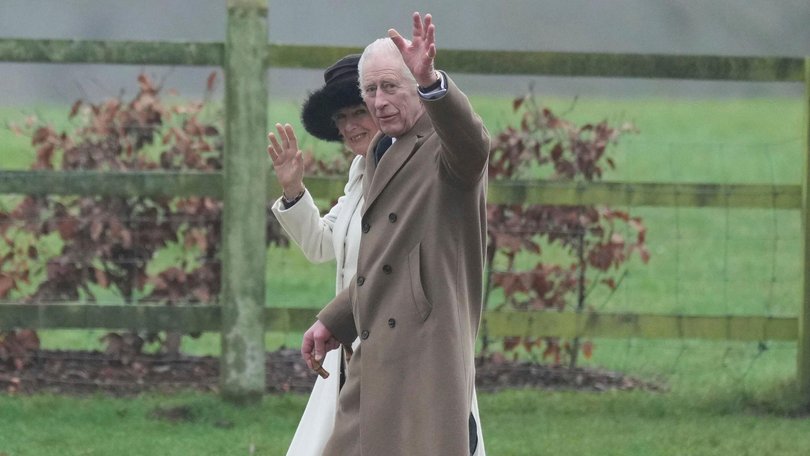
(333, 236)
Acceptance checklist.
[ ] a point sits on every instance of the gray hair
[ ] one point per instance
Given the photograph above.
(379, 48)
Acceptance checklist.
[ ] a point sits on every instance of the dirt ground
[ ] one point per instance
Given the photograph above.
(77, 373)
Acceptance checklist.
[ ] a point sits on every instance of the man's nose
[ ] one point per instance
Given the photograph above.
(380, 101)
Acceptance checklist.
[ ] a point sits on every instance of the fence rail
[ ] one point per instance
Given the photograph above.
(191, 318)
(112, 52)
(582, 64)
(500, 192)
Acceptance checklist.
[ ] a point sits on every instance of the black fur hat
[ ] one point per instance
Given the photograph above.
(339, 91)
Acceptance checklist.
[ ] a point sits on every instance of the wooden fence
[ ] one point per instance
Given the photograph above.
(243, 317)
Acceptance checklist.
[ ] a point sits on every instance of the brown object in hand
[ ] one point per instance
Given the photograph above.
(316, 366)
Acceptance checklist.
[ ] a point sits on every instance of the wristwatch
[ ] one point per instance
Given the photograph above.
(290, 203)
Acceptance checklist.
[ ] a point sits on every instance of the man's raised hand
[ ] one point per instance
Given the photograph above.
(419, 52)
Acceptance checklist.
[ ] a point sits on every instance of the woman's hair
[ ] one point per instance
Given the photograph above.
(383, 47)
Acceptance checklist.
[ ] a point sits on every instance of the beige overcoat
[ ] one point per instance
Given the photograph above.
(416, 300)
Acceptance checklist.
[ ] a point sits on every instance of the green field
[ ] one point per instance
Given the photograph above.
(724, 398)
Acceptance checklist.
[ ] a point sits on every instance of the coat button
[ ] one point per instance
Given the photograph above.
(360, 281)
(392, 217)
(387, 269)
(366, 227)
(364, 334)
(391, 322)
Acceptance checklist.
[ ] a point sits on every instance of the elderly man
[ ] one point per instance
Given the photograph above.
(417, 296)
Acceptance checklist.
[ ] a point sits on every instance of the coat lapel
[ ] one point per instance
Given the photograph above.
(340, 230)
(371, 167)
(378, 176)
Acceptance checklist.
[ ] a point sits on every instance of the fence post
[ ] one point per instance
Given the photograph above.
(803, 371)
(242, 377)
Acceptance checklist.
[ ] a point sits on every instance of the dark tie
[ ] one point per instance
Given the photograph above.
(382, 146)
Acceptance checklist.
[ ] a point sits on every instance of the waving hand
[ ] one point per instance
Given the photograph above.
(287, 160)
(419, 52)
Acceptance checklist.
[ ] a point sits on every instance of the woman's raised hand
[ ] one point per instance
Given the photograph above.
(288, 161)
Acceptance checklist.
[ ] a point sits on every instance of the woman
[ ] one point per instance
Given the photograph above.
(335, 112)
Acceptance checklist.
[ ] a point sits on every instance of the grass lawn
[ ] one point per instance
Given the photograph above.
(724, 398)
(52, 425)
(515, 423)
(631, 424)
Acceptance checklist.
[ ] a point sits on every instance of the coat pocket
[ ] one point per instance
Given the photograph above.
(420, 300)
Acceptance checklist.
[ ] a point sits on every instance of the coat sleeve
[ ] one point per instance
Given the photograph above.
(465, 140)
(338, 317)
(305, 226)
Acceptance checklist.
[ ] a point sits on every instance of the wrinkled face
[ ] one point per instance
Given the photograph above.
(356, 127)
(391, 98)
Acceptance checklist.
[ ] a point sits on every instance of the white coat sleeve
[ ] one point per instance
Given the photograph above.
(305, 226)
